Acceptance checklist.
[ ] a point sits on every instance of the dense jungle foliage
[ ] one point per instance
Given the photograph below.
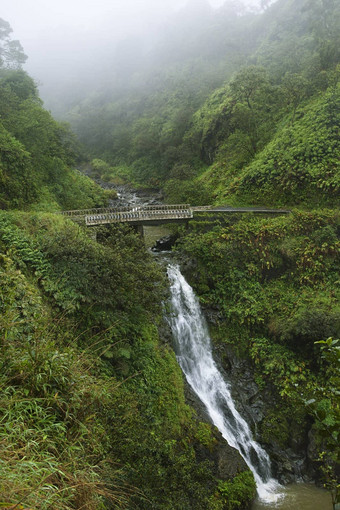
(217, 123)
(244, 111)
(273, 283)
(38, 154)
(92, 405)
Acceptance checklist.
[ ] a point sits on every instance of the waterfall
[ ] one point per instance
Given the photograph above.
(194, 355)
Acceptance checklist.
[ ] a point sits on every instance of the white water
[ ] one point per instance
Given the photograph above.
(194, 354)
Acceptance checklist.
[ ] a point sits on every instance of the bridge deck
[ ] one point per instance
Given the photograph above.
(137, 215)
(155, 214)
(134, 215)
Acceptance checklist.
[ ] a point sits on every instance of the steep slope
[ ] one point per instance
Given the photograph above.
(298, 165)
(93, 413)
(270, 287)
(176, 124)
(37, 154)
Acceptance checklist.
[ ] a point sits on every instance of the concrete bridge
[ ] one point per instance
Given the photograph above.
(156, 214)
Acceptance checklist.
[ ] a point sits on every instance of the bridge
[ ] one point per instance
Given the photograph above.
(156, 214)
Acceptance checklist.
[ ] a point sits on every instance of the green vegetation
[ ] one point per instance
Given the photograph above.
(92, 406)
(274, 283)
(245, 135)
(238, 492)
(92, 412)
(324, 406)
(37, 154)
(289, 166)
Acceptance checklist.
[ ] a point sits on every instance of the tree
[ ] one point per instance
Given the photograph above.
(5, 29)
(324, 19)
(295, 88)
(12, 55)
(21, 84)
(247, 83)
(252, 115)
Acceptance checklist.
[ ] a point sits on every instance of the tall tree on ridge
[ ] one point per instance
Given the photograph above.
(12, 54)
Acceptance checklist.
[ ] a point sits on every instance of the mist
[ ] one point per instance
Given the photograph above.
(72, 45)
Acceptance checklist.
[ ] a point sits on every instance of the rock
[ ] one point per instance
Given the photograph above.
(229, 461)
(165, 243)
(213, 315)
(165, 333)
(226, 460)
(289, 462)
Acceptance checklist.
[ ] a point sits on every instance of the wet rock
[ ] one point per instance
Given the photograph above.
(165, 243)
(289, 458)
(165, 333)
(129, 197)
(213, 315)
(226, 460)
(229, 461)
(188, 266)
(288, 466)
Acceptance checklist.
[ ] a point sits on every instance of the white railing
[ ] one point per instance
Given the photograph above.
(130, 214)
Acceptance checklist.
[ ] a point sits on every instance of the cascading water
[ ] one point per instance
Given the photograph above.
(194, 354)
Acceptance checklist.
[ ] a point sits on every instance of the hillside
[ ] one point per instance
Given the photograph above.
(38, 155)
(93, 410)
(230, 107)
(93, 413)
(179, 120)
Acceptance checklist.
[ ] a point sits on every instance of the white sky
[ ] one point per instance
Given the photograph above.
(34, 20)
(54, 29)
(61, 35)
(39, 22)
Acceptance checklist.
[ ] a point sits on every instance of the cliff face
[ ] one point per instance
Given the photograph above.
(273, 317)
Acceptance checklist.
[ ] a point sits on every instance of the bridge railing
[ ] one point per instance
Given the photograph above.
(101, 210)
(201, 208)
(139, 213)
(105, 210)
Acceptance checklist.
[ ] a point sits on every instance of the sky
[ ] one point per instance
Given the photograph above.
(42, 24)
(35, 21)
(65, 35)
(50, 30)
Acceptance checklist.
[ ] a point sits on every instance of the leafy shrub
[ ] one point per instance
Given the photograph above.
(92, 408)
(237, 492)
(187, 192)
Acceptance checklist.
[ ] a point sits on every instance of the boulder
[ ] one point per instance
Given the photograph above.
(165, 243)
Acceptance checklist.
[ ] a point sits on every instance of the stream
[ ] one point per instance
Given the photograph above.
(194, 355)
(192, 346)
(299, 496)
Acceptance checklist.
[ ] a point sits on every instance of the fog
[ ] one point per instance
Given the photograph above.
(71, 41)
(63, 32)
